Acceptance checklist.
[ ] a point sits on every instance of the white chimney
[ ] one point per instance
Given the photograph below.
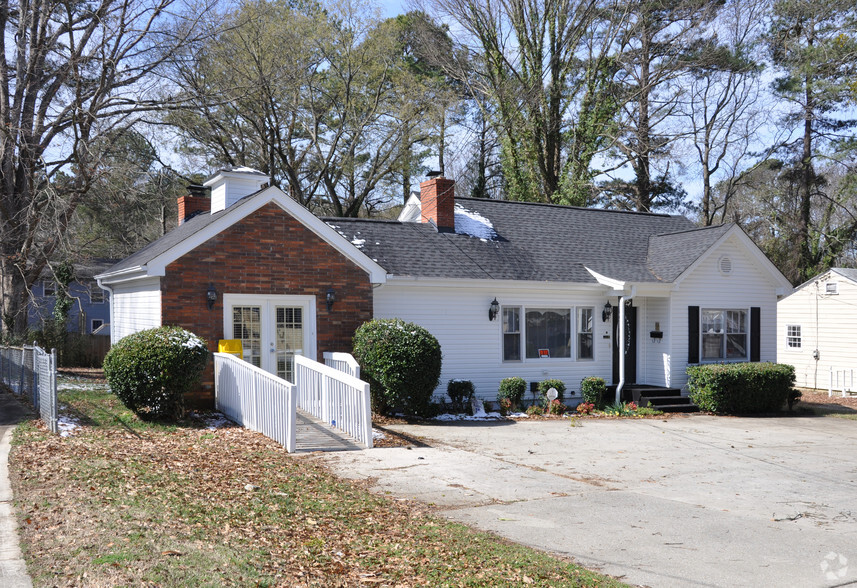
(230, 185)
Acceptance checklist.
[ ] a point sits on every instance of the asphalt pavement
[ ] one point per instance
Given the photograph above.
(695, 501)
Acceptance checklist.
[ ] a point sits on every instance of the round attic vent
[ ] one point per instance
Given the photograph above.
(725, 265)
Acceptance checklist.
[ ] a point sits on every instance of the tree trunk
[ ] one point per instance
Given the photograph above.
(644, 146)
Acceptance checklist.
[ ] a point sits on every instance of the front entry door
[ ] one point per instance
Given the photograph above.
(272, 330)
(630, 344)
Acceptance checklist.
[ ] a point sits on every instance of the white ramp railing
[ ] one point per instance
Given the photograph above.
(335, 397)
(344, 362)
(842, 381)
(255, 399)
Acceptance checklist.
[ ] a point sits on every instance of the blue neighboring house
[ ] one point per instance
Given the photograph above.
(90, 311)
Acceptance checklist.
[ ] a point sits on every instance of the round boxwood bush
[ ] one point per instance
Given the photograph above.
(460, 393)
(546, 385)
(151, 371)
(510, 393)
(593, 390)
(401, 361)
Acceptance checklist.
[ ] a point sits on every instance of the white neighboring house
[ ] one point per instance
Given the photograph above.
(508, 288)
(817, 327)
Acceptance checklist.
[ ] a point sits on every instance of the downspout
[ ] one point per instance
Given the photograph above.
(109, 291)
(621, 329)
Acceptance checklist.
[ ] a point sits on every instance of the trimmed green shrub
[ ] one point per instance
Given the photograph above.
(512, 391)
(593, 390)
(151, 371)
(460, 393)
(401, 361)
(740, 388)
(546, 385)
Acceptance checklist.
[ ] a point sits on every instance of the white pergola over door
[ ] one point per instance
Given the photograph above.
(272, 329)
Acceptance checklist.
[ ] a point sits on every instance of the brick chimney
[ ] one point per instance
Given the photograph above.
(437, 203)
(198, 199)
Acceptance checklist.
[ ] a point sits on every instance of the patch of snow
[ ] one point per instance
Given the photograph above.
(486, 416)
(376, 434)
(66, 385)
(67, 425)
(474, 224)
(359, 243)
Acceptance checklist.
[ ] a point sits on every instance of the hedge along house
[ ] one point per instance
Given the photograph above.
(508, 288)
(816, 328)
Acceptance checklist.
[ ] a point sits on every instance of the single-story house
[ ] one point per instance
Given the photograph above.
(817, 327)
(508, 288)
(89, 312)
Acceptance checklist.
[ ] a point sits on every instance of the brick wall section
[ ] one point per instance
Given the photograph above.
(437, 202)
(191, 204)
(269, 252)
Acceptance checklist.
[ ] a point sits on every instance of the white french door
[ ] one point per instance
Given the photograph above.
(272, 329)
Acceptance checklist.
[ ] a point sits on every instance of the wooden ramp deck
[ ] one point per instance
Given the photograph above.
(314, 435)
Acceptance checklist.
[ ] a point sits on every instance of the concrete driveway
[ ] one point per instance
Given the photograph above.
(695, 501)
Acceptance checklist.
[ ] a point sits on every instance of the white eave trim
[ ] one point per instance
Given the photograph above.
(123, 275)
(611, 283)
(248, 205)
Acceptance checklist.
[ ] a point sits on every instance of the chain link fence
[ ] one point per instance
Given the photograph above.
(31, 372)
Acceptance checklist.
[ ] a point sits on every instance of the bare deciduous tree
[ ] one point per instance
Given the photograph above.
(69, 73)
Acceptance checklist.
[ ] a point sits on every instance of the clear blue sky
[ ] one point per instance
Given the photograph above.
(392, 7)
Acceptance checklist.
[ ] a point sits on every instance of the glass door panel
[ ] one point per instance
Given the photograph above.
(289, 328)
(247, 326)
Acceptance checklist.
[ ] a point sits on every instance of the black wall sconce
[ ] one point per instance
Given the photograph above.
(607, 312)
(493, 309)
(330, 298)
(210, 296)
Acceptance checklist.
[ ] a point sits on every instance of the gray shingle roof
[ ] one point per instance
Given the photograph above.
(533, 242)
(846, 272)
(155, 248)
(537, 242)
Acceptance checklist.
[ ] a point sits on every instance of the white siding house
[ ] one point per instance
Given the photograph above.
(817, 327)
(508, 288)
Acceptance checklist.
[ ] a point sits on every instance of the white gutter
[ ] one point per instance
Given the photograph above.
(621, 330)
(109, 291)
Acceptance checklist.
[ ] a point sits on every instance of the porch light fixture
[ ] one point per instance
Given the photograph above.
(330, 298)
(210, 296)
(493, 309)
(607, 312)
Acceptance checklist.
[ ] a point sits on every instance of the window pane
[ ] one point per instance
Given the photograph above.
(712, 321)
(550, 329)
(584, 333)
(736, 346)
(511, 347)
(736, 321)
(511, 334)
(712, 346)
(584, 346)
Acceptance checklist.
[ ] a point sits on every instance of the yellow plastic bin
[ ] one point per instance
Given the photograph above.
(232, 346)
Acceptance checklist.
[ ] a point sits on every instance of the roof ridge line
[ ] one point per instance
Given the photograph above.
(569, 207)
(694, 229)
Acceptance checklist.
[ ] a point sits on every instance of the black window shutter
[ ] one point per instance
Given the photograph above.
(692, 334)
(755, 333)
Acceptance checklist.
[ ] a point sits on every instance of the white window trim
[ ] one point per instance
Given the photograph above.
(92, 326)
(577, 333)
(522, 334)
(799, 347)
(747, 334)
